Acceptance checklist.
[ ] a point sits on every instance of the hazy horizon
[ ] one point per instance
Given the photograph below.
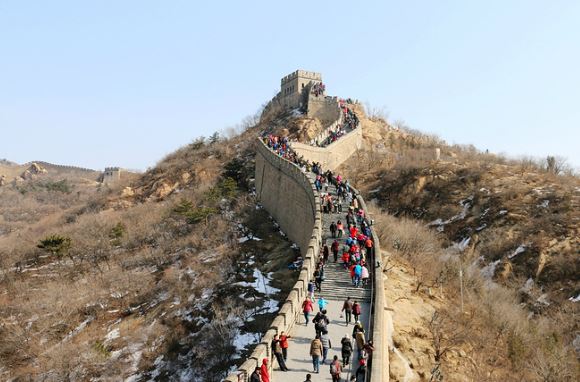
(124, 84)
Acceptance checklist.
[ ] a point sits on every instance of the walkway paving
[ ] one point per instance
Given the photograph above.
(336, 287)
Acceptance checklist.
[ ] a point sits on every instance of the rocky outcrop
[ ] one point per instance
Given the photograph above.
(32, 171)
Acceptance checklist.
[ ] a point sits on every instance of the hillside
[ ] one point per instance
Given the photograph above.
(511, 227)
(174, 274)
(170, 274)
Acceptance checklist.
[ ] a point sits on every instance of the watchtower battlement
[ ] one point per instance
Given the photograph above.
(312, 76)
(111, 174)
(296, 86)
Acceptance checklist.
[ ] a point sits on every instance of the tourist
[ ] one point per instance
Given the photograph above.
(284, 344)
(321, 322)
(264, 374)
(325, 252)
(277, 350)
(347, 309)
(318, 279)
(357, 328)
(339, 229)
(307, 308)
(326, 344)
(335, 369)
(335, 247)
(345, 260)
(357, 275)
(360, 341)
(255, 377)
(310, 288)
(356, 310)
(333, 229)
(369, 246)
(322, 304)
(316, 353)
(365, 275)
(346, 350)
(368, 349)
(361, 372)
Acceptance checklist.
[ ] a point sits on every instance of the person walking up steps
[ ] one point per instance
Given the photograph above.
(326, 344)
(347, 309)
(335, 247)
(311, 287)
(322, 304)
(346, 350)
(307, 308)
(316, 353)
(335, 369)
(318, 279)
(356, 310)
(320, 322)
(333, 229)
(360, 343)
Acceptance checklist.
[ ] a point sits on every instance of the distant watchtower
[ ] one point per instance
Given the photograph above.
(111, 174)
(295, 87)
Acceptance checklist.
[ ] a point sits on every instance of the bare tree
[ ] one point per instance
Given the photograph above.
(557, 164)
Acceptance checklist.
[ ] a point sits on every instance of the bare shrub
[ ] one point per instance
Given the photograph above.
(376, 113)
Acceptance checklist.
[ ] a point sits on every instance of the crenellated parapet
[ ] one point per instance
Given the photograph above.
(291, 198)
(59, 166)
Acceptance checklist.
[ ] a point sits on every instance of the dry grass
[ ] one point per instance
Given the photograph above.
(500, 204)
(501, 341)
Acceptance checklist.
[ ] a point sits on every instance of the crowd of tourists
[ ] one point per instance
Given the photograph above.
(350, 122)
(351, 228)
(318, 89)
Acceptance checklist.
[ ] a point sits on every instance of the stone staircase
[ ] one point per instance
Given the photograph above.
(337, 284)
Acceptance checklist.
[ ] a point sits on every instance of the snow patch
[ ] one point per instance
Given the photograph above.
(248, 237)
(243, 340)
(489, 270)
(544, 204)
(115, 333)
(575, 299)
(440, 223)
(520, 249)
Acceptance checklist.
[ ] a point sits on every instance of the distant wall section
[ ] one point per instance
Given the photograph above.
(324, 108)
(287, 194)
(333, 155)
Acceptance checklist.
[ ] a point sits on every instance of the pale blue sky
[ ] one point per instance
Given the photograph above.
(99, 83)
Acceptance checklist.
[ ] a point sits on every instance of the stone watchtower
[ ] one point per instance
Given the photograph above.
(295, 87)
(111, 174)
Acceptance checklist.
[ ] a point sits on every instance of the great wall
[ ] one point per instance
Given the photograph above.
(60, 167)
(288, 193)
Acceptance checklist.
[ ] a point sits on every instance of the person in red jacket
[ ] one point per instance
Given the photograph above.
(353, 231)
(307, 308)
(264, 373)
(284, 344)
(335, 247)
(345, 259)
(335, 369)
(352, 272)
(369, 246)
